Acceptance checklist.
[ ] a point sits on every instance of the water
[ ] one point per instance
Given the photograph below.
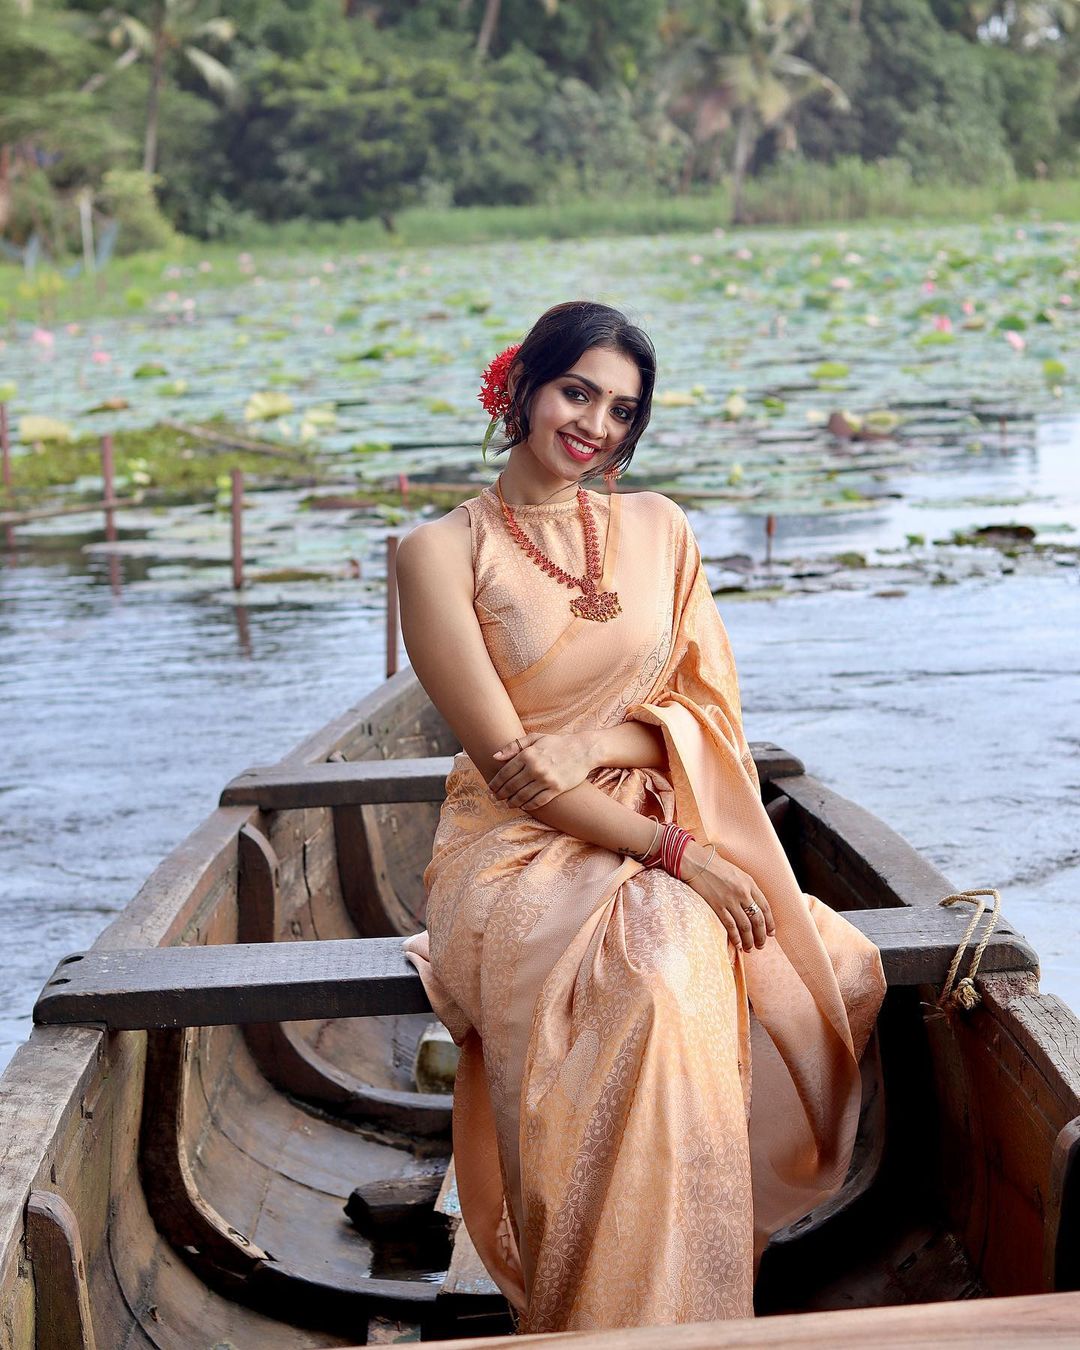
(952, 712)
(133, 686)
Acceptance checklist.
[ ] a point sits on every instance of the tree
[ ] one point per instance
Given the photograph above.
(754, 88)
(173, 30)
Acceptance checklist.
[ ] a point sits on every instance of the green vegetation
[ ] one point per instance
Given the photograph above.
(845, 192)
(160, 461)
(449, 121)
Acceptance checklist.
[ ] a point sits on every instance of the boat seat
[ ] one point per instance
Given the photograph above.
(239, 983)
(370, 781)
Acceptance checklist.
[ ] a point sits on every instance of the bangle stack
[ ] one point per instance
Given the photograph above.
(669, 843)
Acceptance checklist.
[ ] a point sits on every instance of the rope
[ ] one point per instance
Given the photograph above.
(962, 993)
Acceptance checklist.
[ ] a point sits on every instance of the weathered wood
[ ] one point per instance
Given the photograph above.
(877, 866)
(918, 945)
(339, 784)
(239, 983)
(1029, 1322)
(180, 1213)
(290, 787)
(393, 1205)
(1063, 1211)
(61, 1297)
(285, 1057)
(360, 977)
(282, 1284)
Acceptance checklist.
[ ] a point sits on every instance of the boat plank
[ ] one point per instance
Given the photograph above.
(1028, 1322)
(361, 977)
(291, 786)
(55, 1246)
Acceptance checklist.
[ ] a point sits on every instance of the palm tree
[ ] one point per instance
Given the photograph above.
(755, 88)
(174, 28)
(490, 22)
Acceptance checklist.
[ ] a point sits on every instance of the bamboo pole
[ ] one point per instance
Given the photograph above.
(238, 529)
(5, 447)
(391, 605)
(108, 479)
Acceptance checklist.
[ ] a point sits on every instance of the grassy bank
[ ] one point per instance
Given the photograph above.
(797, 194)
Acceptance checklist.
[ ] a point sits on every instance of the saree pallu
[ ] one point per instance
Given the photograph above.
(613, 1165)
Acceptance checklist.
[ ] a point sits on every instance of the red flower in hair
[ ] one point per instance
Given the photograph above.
(494, 394)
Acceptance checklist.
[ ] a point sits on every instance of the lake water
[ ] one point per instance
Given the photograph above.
(933, 687)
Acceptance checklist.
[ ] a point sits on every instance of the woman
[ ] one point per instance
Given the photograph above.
(615, 935)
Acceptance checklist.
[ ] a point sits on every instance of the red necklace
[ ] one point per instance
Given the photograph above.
(591, 604)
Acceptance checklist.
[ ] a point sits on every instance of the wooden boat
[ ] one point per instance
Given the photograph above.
(209, 1085)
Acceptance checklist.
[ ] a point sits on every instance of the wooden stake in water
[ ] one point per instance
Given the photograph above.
(770, 530)
(5, 447)
(107, 477)
(5, 458)
(238, 529)
(391, 605)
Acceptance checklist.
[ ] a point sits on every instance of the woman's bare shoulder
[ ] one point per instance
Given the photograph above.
(439, 543)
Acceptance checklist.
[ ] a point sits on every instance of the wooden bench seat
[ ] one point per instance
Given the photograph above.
(363, 977)
(368, 782)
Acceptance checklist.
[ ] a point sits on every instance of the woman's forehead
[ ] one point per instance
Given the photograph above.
(615, 371)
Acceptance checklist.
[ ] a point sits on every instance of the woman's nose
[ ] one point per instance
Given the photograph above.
(591, 422)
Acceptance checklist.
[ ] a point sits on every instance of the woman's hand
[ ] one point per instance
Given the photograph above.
(728, 890)
(539, 767)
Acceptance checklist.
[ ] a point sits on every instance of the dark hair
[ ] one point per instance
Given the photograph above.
(551, 347)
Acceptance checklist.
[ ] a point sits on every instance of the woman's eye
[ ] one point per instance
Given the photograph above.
(571, 392)
(623, 414)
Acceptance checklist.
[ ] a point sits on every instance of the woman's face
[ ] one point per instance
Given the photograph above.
(578, 421)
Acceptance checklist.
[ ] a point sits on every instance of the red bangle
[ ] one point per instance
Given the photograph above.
(674, 841)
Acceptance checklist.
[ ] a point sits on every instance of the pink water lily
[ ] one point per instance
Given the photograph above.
(968, 307)
(44, 338)
(929, 287)
(1015, 340)
(100, 358)
(942, 323)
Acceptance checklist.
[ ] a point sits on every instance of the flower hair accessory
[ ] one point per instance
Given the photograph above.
(494, 391)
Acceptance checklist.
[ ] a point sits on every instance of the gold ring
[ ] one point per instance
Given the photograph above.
(751, 909)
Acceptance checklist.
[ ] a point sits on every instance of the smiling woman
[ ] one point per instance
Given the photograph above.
(612, 920)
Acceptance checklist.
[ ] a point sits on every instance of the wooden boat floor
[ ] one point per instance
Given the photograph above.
(280, 1175)
(159, 1301)
(374, 1050)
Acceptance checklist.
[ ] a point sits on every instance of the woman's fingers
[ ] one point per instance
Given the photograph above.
(757, 923)
(746, 930)
(766, 909)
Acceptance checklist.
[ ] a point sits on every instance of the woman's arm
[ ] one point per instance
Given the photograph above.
(447, 651)
(628, 745)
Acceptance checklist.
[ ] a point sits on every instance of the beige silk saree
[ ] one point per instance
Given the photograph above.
(613, 1167)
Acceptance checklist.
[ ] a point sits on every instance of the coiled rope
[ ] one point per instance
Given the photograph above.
(962, 993)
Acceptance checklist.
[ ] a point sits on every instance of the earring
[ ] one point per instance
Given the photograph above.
(610, 476)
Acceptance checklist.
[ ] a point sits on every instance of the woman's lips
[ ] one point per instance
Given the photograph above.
(575, 453)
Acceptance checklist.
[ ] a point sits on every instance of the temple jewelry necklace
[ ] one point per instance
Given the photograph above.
(591, 604)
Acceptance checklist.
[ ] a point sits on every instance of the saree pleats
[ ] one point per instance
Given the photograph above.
(614, 1167)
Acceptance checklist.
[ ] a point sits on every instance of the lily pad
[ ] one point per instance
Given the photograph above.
(264, 407)
(34, 427)
(830, 371)
(151, 370)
